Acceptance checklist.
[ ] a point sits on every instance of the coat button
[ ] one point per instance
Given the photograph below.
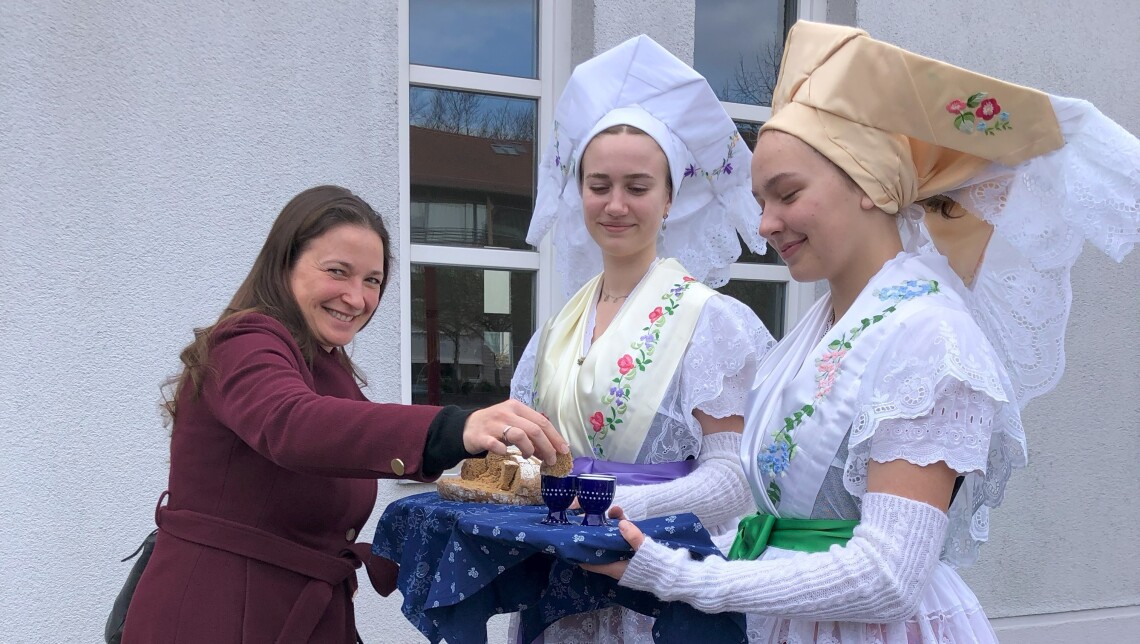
(397, 467)
(350, 535)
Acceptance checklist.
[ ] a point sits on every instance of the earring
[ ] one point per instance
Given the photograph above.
(665, 221)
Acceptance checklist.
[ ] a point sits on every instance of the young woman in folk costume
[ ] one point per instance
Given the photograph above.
(646, 369)
(883, 428)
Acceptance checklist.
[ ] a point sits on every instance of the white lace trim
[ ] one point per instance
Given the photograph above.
(1043, 211)
(721, 362)
(956, 431)
(716, 376)
(949, 402)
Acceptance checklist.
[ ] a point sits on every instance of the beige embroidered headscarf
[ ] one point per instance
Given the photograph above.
(904, 127)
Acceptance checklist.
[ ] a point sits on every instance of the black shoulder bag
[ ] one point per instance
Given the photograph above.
(113, 630)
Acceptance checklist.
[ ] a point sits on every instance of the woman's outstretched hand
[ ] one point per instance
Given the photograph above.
(633, 535)
(512, 423)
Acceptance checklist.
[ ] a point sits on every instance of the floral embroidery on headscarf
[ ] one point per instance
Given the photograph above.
(566, 168)
(978, 113)
(725, 164)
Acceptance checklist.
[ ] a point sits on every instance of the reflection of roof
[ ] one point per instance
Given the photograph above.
(448, 160)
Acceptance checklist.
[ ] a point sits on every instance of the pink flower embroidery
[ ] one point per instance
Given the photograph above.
(688, 279)
(625, 364)
(833, 355)
(988, 109)
(956, 106)
(828, 367)
(824, 387)
(597, 421)
(654, 315)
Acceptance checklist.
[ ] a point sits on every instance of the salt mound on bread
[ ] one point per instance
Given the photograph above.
(509, 479)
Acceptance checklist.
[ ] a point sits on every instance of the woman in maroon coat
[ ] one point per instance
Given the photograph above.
(275, 450)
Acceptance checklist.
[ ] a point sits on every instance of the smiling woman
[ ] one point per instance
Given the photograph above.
(660, 205)
(884, 427)
(337, 283)
(276, 451)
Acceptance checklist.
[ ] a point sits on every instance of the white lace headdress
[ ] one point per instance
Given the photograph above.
(641, 84)
(1049, 173)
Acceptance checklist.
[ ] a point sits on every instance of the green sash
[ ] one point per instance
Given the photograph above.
(758, 531)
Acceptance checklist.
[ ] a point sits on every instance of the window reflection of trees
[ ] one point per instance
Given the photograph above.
(754, 79)
(472, 168)
(462, 353)
(481, 115)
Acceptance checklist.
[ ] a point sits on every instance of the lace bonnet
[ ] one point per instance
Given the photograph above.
(641, 84)
(1046, 172)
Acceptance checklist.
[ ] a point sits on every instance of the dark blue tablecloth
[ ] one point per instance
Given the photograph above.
(461, 563)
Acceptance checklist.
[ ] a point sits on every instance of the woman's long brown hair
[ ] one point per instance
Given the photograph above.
(266, 289)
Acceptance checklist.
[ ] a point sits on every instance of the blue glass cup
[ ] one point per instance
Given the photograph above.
(558, 493)
(595, 494)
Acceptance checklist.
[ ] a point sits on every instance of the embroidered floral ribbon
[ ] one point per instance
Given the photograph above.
(979, 113)
(648, 336)
(614, 403)
(776, 458)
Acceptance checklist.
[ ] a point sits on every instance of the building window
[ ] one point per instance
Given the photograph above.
(741, 65)
(478, 76)
(472, 168)
(498, 37)
(477, 102)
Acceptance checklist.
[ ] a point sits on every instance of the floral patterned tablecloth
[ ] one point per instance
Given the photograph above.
(461, 563)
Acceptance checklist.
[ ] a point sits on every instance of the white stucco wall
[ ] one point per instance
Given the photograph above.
(146, 148)
(669, 22)
(1064, 542)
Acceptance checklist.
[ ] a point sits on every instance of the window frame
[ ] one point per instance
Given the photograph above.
(799, 297)
(553, 71)
(554, 68)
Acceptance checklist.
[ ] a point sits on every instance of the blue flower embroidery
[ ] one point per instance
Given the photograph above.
(774, 460)
(909, 289)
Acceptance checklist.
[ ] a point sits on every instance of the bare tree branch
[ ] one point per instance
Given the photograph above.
(753, 83)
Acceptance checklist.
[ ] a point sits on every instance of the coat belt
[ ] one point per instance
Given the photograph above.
(325, 571)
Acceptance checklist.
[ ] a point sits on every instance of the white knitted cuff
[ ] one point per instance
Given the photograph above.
(715, 490)
(879, 576)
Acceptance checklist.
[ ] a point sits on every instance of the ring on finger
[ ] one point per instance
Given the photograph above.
(504, 438)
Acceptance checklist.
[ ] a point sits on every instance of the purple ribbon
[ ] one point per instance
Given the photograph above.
(634, 473)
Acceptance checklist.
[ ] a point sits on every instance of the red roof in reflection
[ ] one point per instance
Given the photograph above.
(460, 161)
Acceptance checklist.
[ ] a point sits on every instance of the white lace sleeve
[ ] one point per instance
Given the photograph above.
(720, 364)
(522, 383)
(956, 430)
(938, 392)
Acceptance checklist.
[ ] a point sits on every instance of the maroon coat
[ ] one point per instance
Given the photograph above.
(272, 455)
